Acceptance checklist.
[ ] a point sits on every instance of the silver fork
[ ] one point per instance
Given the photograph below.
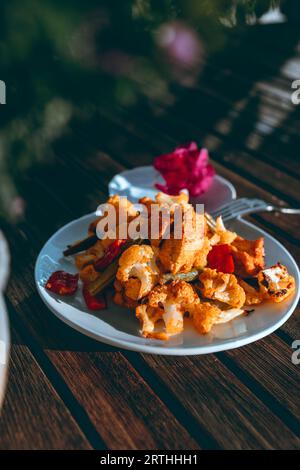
(244, 206)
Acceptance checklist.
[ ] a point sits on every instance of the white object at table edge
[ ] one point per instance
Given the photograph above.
(4, 324)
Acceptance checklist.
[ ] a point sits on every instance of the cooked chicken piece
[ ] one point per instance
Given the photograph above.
(223, 287)
(168, 302)
(161, 213)
(253, 296)
(221, 236)
(276, 283)
(206, 315)
(179, 254)
(248, 256)
(137, 271)
(201, 255)
(156, 234)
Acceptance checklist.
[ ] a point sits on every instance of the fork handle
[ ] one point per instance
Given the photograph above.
(286, 210)
(250, 206)
(257, 205)
(250, 210)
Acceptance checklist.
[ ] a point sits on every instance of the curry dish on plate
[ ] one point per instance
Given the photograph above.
(210, 274)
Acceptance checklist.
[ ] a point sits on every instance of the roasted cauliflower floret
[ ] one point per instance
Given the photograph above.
(276, 283)
(148, 318)
(123, 207)
(253, 296)
(171, 201)
(206, 315)
(248, 256)
(120, 211)
(137, 271)
(221, 236)
(169, 303)
(177, 291)
(222, 287)
(120, 297)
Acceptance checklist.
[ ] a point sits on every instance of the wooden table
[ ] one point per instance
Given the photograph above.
(66, 391)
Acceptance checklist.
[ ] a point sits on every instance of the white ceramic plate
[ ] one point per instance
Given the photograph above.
(139, 182)
(4, 329)
(119, 327)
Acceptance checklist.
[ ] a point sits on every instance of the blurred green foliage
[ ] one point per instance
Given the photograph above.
(61, 59)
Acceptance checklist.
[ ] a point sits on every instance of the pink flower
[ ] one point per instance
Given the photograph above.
(186, 167)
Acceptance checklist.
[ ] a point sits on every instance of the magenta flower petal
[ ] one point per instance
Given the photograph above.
(186, 167)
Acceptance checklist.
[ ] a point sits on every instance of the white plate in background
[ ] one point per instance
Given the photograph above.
(140, 182)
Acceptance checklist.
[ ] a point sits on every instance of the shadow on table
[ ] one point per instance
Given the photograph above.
(48, 332)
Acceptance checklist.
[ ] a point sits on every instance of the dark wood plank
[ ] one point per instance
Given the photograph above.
(33, 415)
(233, 414)
(119, 402)
(236, 94)
(269, 363)
(292, 327)
(263, 174)
(234, 114)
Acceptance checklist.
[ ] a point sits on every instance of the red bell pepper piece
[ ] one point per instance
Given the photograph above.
(111, 253)
(220, 258)
(93, 302)
(62, 283)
